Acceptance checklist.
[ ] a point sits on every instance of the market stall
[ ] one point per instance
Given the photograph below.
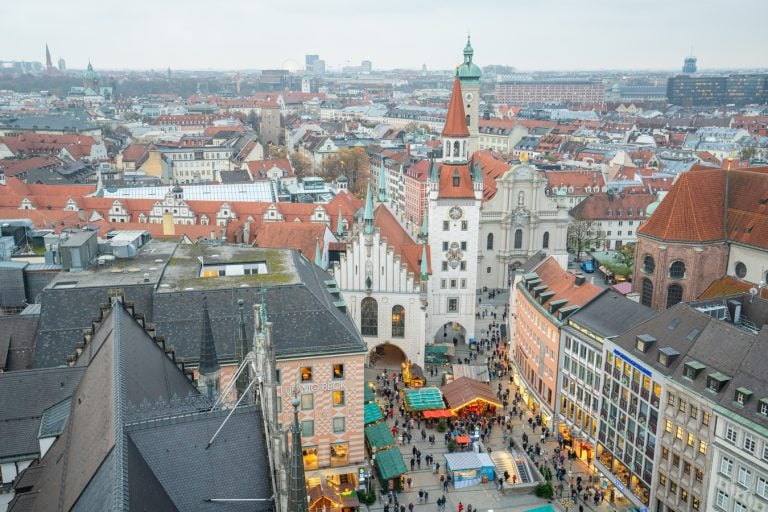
(378, 437)
(371, 413)
(465, 395)
(390, 467)
(438, 355)
(475, 372)
(469, 468)
(368, 394)
(422, 399)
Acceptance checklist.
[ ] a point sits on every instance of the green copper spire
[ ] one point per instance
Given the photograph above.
(340, 225)
(368, 211)
(297, 494)
(318, 254)
(468, 70)
(434, 171)
(382, 186)
(424, 272)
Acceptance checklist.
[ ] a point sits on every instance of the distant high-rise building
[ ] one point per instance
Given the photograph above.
(48, 62)
(697, 90)
(366, 66)
(309, 61)
(318, 67)
(689, 66)
(550, 91)
(62, 64)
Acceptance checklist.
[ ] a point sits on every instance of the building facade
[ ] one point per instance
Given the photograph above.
(543, 300)
(550, 92)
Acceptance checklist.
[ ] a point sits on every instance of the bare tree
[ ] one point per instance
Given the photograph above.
(584, 234)
(301, 163)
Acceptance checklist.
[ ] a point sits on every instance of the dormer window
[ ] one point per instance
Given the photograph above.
(717, 381)
(692, 369)
(667, 355)
(762, 406)
(608, 213)
(643, 342)
(742, 396)
(456, 178)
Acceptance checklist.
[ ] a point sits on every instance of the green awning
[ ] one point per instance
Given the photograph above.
(379, 436)
(372, 413)
(424, 399)
(368, 394)
(390, 463)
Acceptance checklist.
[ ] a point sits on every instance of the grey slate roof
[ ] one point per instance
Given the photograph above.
(305, 320)
(234, 465)
(24, 396)
(610, 314)
(20, 331)
(675, 327)
(66, 312)
(107, 459)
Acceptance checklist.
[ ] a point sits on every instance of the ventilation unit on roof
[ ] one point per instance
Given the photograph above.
(716, 311)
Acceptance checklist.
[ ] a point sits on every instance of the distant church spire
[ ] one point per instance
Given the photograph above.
(208, 368)
(318, 254)
(368, 218)
(48, 61)
(340, 225)
(382, 186)
(424, 271)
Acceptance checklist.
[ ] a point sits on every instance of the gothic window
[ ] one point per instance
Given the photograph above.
(647, 295)
(545, 241)
(489, 243)
(456, 148)
(398, 322)
(467, 119)
(369, 317)
(447, 148)
(674, 294)
(649, 265)
(677, 270)
(518, 239)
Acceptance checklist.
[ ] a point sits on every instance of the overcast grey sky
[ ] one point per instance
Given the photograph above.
(258, 34)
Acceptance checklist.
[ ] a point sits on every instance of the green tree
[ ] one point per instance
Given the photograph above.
(300, 163)
(277, 151)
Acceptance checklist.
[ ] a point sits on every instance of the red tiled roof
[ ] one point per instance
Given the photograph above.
(135, 152)
(563, 284)
(596, 206)
(258, 168)
(455, 121)
(302, 236)
(464, 190)
(692, 211)
(579, 180)
(493, 169)
(729, 285)
(396, 237)
(14, 167)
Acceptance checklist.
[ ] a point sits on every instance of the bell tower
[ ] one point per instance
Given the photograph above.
(469, 74)
(453, 225)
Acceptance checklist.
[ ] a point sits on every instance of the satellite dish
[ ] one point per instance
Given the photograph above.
(753, 291)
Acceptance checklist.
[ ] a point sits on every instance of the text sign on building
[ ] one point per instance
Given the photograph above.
(311, 387)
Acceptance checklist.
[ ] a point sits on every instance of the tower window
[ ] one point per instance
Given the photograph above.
(456, 174)
(456, 148)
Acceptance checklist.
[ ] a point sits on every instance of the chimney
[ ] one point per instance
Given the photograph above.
(579, 279)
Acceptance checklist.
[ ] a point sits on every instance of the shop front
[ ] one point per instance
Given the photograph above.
(575, 440)
(467, 396)
(622, 487)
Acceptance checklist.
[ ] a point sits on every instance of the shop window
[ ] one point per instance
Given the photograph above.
(309, 454)
(339, 454)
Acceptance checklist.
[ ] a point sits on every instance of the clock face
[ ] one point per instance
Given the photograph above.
(468, 96)
(455, 213)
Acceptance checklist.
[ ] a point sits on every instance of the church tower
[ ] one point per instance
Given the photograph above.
(469, 74)
(454, 222)
(208, 370)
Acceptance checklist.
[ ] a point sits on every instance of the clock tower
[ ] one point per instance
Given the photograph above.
(455, 194)
(469, 74)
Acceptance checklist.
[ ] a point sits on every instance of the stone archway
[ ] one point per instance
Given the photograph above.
(386, 355)
(451, 332)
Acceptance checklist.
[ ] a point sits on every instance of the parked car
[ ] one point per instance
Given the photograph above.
(588, 266)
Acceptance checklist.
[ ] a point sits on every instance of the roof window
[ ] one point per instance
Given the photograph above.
(692, 369)
(643, 342)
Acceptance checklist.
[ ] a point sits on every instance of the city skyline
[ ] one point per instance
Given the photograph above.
(393, 37)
